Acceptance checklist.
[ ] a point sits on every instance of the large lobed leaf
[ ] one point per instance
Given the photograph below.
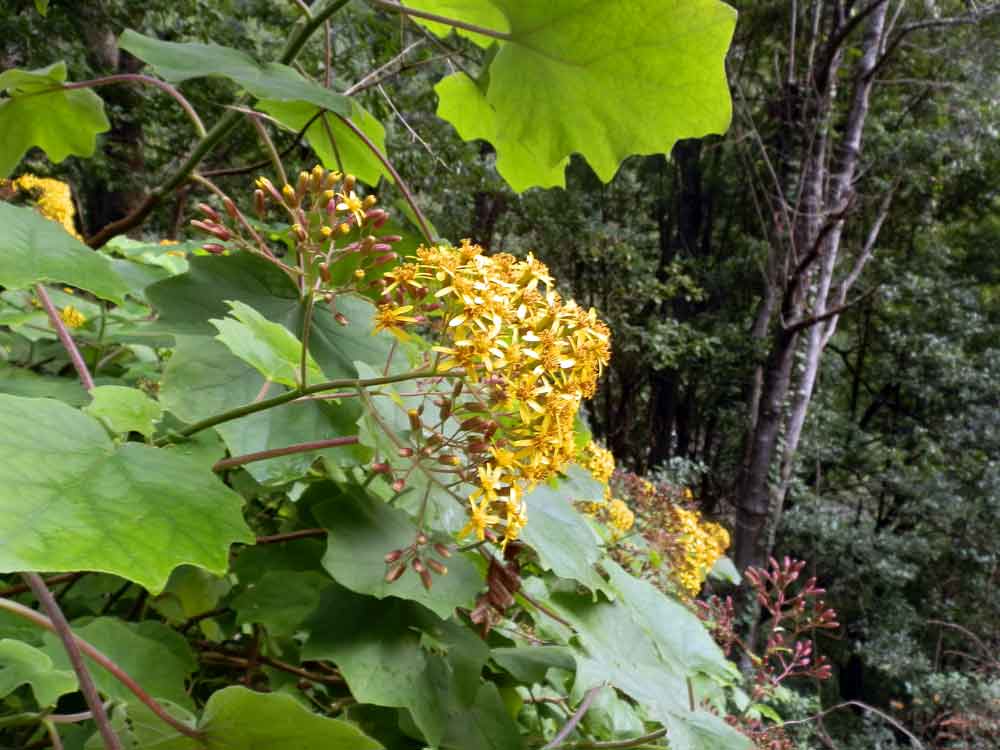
(605, 80)
(34, 249)
(37, 111)
(78, 502)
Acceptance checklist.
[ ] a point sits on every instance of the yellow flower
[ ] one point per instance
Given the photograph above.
(72, 317)
(480, 519)
(392, 319)
(53, 199)
(351, 203)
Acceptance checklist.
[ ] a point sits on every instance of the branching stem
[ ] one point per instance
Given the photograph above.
(60, 626)
(453, 22)
(97, 656)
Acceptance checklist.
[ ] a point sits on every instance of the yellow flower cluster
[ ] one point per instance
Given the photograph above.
(599, 461)
(613, 511)
(52, 199)
(501, 321)
(72, 317)
(701, 543)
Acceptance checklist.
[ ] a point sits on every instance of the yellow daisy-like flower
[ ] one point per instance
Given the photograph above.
(72, 317)
(351, 203)
(53, 199)
(394, 319)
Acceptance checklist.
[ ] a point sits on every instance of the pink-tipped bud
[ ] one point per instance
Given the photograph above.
(393, 556)
(422, 538)
(381, 468)
(259, 204)
(395, 573)
(209, 211)
(341, 318)
(227, 203)
(405, 452)
(391, 238)
(385, 258)
(213, 248)
(442, 550)
(398, 486)
(437, 567)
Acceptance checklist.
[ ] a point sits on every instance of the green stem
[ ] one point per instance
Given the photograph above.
(315, 445)
(97, 656)
(307, 315)
(635, 742)
(279, 168)
(300, 35)
(453, 22)
(284, 398)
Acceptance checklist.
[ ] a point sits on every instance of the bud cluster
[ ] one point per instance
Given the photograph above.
(333, 230)
(418, 556)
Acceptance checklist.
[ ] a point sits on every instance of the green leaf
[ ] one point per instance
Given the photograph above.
(124, 409)
(83, 504)
(39, 112)
(21, 664)
(42, 6)
(236, 718)
(154, 655)
(17, 381)
(280, 600)
(269, 347)
(530, 665)
(564, 541)
(34, 249)
(725, 570)
(362, 530)
(355, 156)
(190, 592)
(138, 727)
(608, 80)
(639, 644)
(396, 653)
(178, 62)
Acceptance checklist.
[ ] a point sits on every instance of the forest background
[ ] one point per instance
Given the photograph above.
(805, 310)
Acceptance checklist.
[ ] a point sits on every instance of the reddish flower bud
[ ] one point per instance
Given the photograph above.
(395, 573)
(442, 550)
(393, 556)
(437, 567)
(209, 211)
(227, 203)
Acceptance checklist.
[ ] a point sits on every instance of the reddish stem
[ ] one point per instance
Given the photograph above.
(67, 341)
(229, 463)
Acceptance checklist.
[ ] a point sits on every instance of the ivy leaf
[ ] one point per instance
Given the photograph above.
(362, 530)
(22, 664)
(608, 80)
(37, 111)
(124, 409)
(269, 347)
(84, 504)
(156, 656)
(178, 62)
(355, 156)
(564, 541)
(34, 249)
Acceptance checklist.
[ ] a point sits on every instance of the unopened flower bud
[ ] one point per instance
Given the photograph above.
(342, 319)
(393, 556)
(288, 194)
(349, 182)
(414, 418)
(325, 231)
(344, 227)
(387, 258)
(405, 452)
(437, 567)
(302, 185)
(422, 538)
(442, 550)
(213, 248)
(398, 486)
(227, 203)
(395, 573)
(332, 178)
(449, 459)
(209, 211)
(259, 204)
(381, 468)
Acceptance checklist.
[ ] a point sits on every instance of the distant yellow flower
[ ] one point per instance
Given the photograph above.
(53, 199)
(72, 317)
